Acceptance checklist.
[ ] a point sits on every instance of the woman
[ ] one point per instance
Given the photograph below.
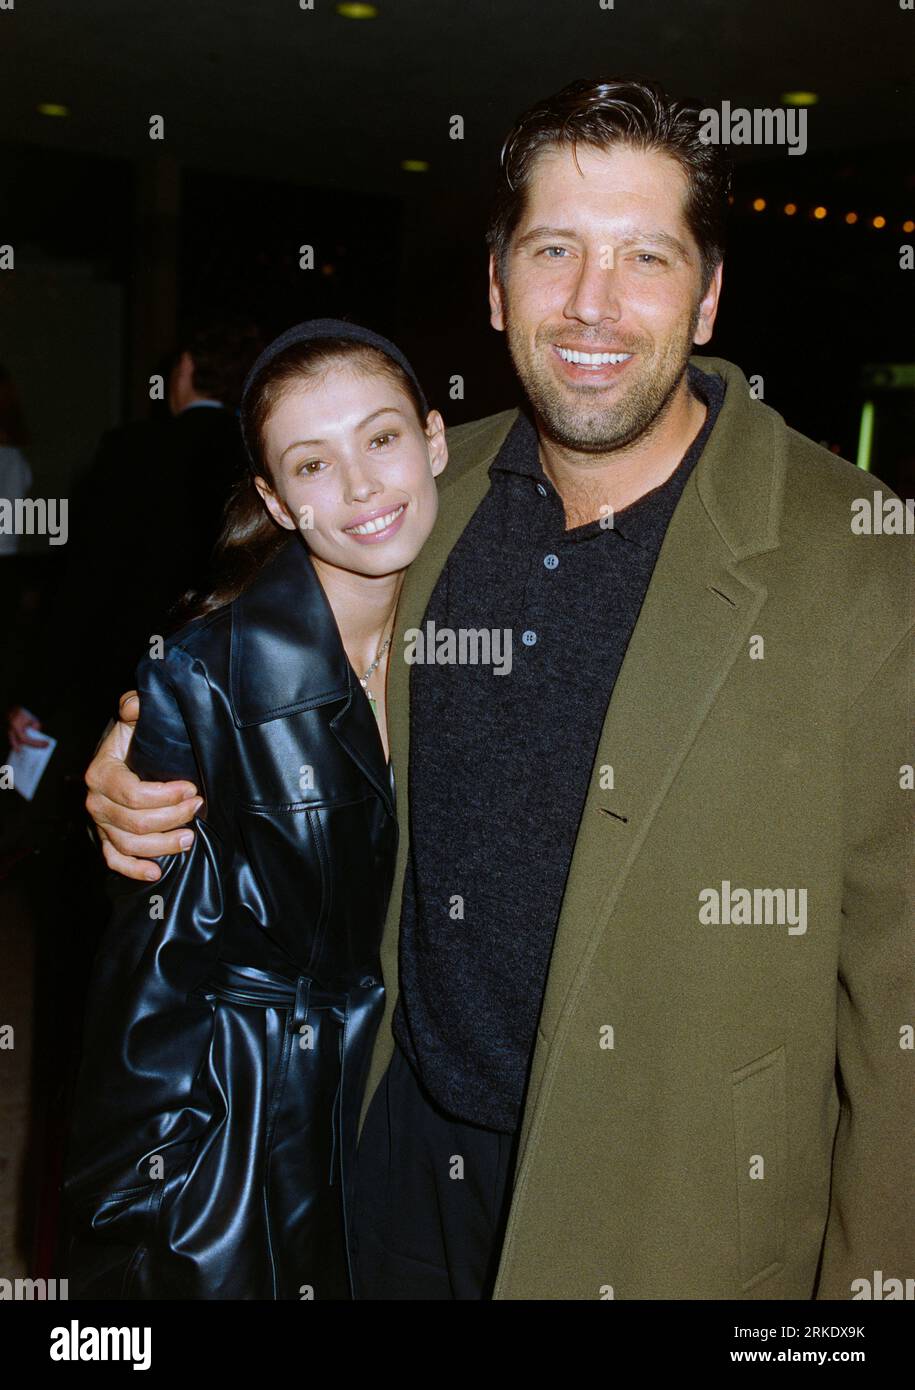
(235, 1001)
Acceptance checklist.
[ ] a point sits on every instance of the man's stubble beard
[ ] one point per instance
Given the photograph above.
(601, 428)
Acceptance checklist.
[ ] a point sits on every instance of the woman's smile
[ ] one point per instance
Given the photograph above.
(378, 525)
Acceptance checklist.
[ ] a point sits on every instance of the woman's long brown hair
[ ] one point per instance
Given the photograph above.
(250, 537)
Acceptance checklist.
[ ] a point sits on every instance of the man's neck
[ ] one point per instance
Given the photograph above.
(593, 486)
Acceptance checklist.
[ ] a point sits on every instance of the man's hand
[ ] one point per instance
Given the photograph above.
(137, 821)
(18, 723)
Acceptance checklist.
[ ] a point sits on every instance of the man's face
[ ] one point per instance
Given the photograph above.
(602, 262)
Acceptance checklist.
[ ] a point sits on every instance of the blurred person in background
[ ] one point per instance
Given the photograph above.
(145, 519)
(15, 474)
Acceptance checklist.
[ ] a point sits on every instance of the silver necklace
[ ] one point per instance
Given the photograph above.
(364, 680)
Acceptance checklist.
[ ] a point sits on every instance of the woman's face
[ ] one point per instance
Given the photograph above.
(353, 469)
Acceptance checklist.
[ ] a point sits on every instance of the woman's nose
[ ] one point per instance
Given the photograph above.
(363, 484)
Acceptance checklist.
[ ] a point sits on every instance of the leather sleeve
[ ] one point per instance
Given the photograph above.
(140, 1106)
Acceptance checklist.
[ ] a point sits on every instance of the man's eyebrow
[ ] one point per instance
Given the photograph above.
(537, 232)
(385, 410)
(656, 238)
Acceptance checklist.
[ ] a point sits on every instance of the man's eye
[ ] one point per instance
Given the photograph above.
(547, 249)
(649, 256)
(385, 437)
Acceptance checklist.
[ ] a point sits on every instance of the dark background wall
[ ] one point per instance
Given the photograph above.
(286, 126)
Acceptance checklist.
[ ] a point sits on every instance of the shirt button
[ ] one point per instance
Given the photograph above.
(528, 638)
(541, 489)
(551, 561)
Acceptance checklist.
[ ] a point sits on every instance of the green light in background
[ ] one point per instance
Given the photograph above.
(865, 436)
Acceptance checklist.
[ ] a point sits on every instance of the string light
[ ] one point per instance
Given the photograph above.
(819, 213)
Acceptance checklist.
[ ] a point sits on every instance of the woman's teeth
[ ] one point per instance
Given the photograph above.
(378, 523)
(593, 359)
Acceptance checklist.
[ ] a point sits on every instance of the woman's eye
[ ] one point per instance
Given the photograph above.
(385, 437)
(310, 466)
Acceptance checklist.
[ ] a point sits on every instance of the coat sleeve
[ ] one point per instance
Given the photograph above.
(871, 1220)
(140, 1108)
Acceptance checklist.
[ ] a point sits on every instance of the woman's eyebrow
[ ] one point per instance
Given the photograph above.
(307, 443)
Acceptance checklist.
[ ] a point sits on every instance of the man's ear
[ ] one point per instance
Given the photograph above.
(496, 304)
(275, 506)
(708, 307)
(435, 440)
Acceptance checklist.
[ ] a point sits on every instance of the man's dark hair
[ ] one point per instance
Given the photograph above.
(627, 111)
(222, 353)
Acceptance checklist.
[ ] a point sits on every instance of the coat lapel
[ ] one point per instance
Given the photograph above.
(464, 485)
(701, 609)
(287, 656)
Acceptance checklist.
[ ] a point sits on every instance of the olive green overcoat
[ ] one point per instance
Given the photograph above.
(723, 1109)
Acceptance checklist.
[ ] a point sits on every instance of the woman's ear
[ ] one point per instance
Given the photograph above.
(435, 439)
(275, 505)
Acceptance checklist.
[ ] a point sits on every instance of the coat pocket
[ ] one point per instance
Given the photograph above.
(760, 1157)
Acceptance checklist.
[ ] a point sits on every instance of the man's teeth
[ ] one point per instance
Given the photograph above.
(593, 359)
(377, 523)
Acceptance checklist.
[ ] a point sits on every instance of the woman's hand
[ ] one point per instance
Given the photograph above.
(137, 821)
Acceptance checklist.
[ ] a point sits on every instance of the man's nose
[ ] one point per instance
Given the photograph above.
(596, 292)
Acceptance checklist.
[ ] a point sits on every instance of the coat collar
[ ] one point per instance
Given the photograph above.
(286, 656)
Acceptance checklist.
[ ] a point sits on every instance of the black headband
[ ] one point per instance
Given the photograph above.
(324, 328)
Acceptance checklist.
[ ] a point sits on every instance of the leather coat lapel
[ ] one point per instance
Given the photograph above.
(287, 656)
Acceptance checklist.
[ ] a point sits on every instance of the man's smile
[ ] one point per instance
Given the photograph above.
(600, 366)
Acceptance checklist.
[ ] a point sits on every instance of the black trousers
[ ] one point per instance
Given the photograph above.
(431, 1197)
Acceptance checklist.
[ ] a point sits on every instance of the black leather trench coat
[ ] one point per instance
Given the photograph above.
(235, 1002)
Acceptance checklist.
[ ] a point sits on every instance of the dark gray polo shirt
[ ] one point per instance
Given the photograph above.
(499, 765)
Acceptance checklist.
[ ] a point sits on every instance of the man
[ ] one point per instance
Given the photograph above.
(648, 954)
